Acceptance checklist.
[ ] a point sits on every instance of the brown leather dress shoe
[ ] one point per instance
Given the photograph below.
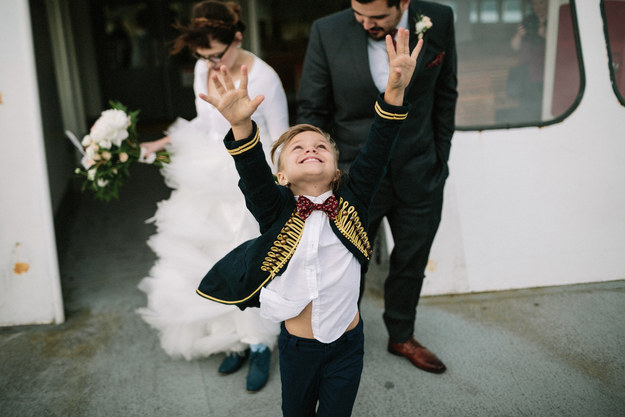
(418, 354)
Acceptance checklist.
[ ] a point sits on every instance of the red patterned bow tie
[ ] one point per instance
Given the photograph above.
(305, 207)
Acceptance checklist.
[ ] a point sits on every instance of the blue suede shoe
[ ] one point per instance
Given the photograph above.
(259, 370)
(233, 362)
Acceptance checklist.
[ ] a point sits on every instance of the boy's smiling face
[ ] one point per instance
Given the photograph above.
(308, 164)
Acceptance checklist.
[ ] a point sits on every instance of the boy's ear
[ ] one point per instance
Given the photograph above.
(336, 181)
(282, 179)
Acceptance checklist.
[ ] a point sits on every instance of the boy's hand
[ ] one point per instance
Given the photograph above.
(401, 66)
(234, 103)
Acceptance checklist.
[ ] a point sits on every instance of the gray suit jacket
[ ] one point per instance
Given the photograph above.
(336, 98)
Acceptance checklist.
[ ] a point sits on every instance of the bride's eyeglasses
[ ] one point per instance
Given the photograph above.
(215, 58)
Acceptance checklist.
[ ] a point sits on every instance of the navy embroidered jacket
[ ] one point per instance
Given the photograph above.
(239, 276)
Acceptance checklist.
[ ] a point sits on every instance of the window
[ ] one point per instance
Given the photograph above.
(492, 11)
(489, 12)
(513, 76)
(511, 11)
(613, 16)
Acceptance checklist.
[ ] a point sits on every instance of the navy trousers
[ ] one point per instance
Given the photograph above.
(326, 373)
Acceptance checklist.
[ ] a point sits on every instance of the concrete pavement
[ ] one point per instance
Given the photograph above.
(541, 352)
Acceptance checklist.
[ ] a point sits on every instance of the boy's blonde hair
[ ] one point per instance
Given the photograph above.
(288, 136)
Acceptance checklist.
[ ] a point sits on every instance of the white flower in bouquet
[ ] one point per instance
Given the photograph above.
(91, 151)
(87, 141)
(110, 128)
(91, 155)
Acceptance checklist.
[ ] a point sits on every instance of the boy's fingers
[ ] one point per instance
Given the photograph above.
(227, 79)
(390, 48)
(218, 85)
(417, 50)
(257, 100)
(243, 85)
(401, 41)
(208, 99)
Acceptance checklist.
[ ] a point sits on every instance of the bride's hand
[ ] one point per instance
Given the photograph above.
(154, 146)
(233, 103)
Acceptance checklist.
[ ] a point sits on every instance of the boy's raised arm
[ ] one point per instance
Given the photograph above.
(401, 66)
(234, 103)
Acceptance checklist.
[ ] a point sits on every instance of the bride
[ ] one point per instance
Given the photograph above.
(205, 216)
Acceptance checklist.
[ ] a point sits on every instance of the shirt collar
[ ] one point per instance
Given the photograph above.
(319, 199)
(403, 22)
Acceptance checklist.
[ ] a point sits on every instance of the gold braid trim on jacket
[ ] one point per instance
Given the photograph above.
(279, 254)
(247, 146)
(388, 115)
(284, 246)
(349, 224)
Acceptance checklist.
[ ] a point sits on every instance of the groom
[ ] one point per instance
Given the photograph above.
(337, 99)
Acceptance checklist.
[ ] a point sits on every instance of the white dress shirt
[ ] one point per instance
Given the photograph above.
(322, 270)
(378, 58)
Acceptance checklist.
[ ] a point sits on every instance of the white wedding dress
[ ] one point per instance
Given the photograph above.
(203, 219)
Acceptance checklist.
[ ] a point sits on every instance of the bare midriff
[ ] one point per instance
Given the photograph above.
(301, 325)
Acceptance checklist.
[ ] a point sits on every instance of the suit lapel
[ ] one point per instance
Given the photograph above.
(357, 46)
(412, 20)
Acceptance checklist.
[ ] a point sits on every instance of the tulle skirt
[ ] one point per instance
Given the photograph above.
(203, 219)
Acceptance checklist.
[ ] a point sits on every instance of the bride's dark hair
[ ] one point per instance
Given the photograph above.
(209, 20)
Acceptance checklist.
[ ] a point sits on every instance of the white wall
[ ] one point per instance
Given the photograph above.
(539, 206)
(29, 276)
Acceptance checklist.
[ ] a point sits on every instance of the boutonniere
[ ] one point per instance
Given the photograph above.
(423, 24)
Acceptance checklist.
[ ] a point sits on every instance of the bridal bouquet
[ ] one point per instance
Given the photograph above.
(109, 150)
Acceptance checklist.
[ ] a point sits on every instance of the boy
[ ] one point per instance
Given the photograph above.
(304, 269)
